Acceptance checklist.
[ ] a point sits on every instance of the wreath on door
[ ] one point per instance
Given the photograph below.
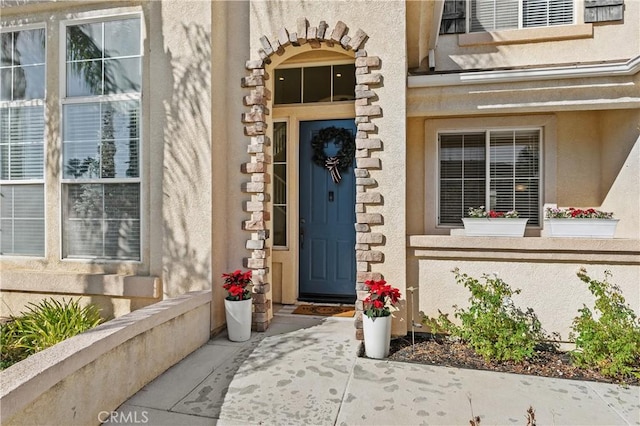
(343, 158)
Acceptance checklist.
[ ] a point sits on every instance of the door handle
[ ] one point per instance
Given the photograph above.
(302, 222)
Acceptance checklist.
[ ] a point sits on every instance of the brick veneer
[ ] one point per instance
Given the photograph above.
(367, 143)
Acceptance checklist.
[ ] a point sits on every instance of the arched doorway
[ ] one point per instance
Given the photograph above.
(260, 123)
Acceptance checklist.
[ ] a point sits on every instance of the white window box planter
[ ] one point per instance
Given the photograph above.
(494, 227)
(581, 228)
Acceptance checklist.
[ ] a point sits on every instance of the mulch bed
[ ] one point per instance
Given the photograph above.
(437, 350)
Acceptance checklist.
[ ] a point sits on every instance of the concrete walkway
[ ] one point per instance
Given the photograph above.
(304, 371)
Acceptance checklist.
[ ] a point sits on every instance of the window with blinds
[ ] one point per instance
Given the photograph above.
(22, 121)
(101, 141)
(493, 15)
(498, 169)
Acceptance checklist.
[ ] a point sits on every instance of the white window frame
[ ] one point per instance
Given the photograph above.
(487, 132)
(520, 19)
(28, 103)
(64, 100)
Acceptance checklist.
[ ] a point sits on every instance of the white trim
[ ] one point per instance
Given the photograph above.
(627, 68)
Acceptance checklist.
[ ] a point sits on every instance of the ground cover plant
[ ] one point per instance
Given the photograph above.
(43, 325)
(607, 340)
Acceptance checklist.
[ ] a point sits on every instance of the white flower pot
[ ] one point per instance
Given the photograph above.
(377, 336)
(494, 227)
(581, 228)
(238, 313)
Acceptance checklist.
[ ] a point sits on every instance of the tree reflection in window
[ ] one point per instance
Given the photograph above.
(101, 140)
(103, 58)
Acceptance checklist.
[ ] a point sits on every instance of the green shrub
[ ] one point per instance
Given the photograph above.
(493, 326)
(43, 325)
(610, 343)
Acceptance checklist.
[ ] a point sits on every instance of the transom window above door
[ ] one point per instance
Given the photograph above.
(329, 83)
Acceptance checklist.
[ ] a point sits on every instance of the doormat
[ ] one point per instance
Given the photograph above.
(325, 311)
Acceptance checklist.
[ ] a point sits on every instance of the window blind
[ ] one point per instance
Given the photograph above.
(101, 141)
(102, 220)
(514, 172)
(492, 15)
(496, 169)
(462, 175)
(22, 220)
(22, 143)
(22, 208)
(544, 13)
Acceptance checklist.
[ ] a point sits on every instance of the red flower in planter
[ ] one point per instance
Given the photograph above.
(382, 297)
(481, 212)
(236, 284)
(572, 212)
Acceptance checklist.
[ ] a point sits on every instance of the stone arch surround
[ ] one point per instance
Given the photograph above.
(257, 169)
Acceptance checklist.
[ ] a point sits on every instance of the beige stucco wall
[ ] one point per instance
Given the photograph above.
(598, 162)
(552, 289)
(179, 89)
(376, 19)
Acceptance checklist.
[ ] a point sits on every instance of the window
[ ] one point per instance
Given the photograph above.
(492, 15)
(499, 169)
(280, 183)
(331, 83)
(101, 140)
(22, 92)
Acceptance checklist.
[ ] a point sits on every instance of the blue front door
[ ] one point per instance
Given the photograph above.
(327, 217)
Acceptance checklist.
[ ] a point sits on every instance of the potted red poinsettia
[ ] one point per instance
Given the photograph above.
(237, 305)
(376, 321)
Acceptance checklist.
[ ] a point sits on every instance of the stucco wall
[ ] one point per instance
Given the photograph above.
(179, 93)
(552, 289)
(599, 164)
(384, 24)
(620, 181)
(82, 379)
